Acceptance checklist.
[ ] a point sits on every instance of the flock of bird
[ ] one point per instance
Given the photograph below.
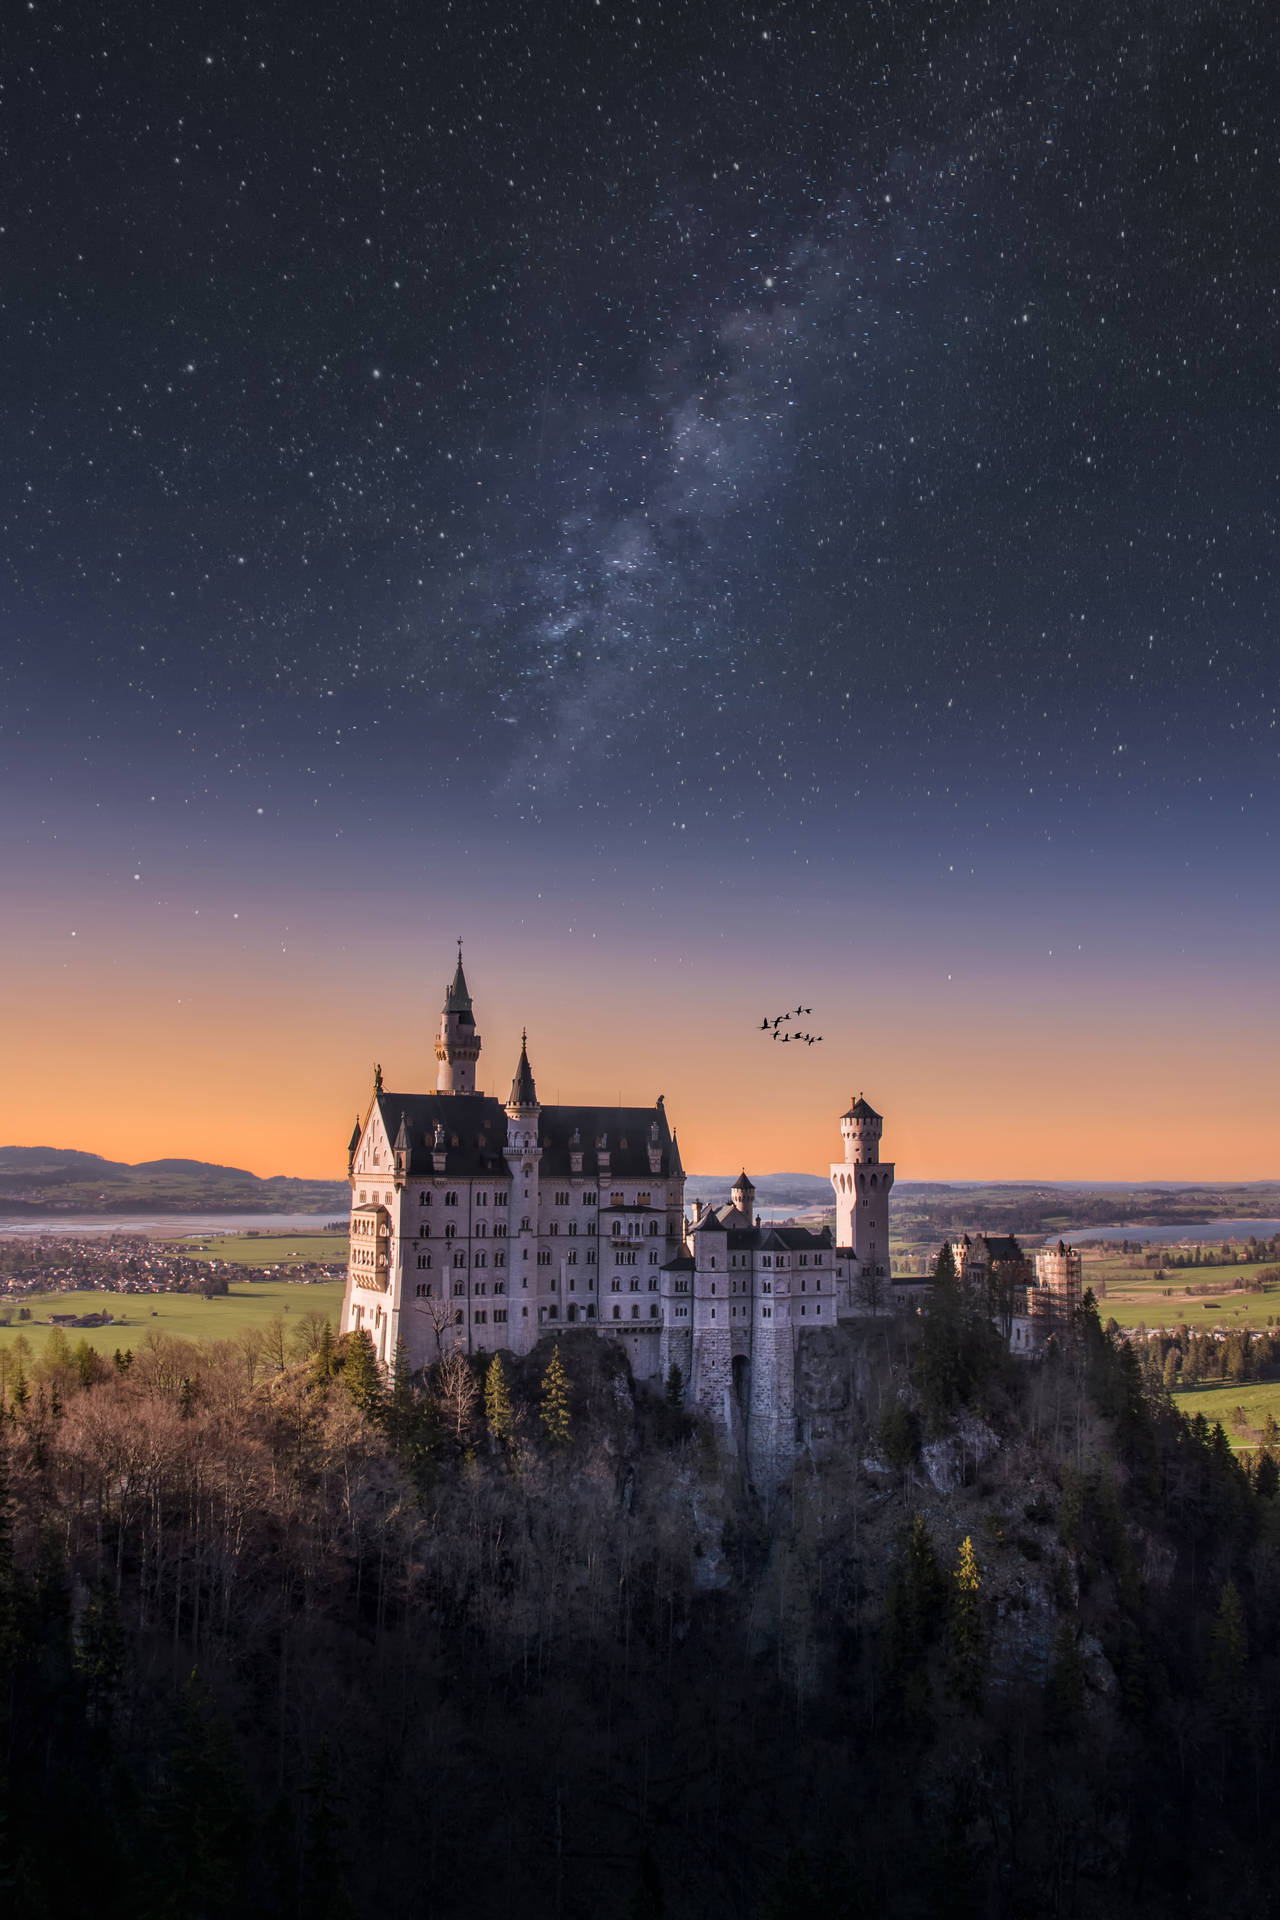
(794, 1013)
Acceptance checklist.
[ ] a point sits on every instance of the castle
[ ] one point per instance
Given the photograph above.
(483, 1224)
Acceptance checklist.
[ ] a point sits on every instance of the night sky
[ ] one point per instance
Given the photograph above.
(717, 507)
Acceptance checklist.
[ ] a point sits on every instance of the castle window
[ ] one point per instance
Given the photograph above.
(424, 1198)
(635, 1286)
(499, 1199)
(573, 1226)
(424, 1260)
(499, 1230)
(424, 1290)
(459, 1259)
(499, 1259)
(451, 1199)
(616, 1228)
(459, 1288)
(817, 1308)
(481, 1317)
(544, 1257)
(362, 1196)
(617, 1313)
(572, 1259)
(481, 1229)
(589, 1199)
(553, 1311)
(591, 1258)
(591, 1312)
(653, 1312)
(499, 1316)
(591, 1227)
(457, 1318)
(642, 1200)
(653, 1259)
(451, 1231)
(526, 1225)
(554, 1227)
(424, 1229)
(766, 1313)
(481, 1260)
(653, 1286)
(481, 1288)
(617, 1200)
(482, 1199)
(615, 1286)
(635, 1313)
(562, 1199)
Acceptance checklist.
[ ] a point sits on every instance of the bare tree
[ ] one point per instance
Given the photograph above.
(871, 1289)
(440, 1314)
(457, 1393)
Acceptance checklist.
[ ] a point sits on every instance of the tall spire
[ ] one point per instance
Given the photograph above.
(457, 1042)
(456, 997)
(523, 1092)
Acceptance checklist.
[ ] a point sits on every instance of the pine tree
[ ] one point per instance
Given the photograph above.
(966, 1638)
(324, 1364)
(675, 1386)
(498, 1416)
(1066, 1678)
(914, 1602)
(554, 1412)
(361, 1375)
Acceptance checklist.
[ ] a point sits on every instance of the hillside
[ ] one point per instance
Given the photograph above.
(280, 1638)
(40, 1181)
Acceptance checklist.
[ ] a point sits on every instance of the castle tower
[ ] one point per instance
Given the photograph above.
(523, 1152)
(862, 1182)
(457, 1042)
(743, 1196)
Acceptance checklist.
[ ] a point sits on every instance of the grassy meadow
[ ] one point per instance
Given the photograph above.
(1135, 1297)
(1220, 1399)
(183, 1314)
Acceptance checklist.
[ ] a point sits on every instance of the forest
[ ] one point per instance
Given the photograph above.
(281, 1637)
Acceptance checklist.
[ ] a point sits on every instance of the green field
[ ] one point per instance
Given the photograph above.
(1134, 1299)
(184, 1314)
(1218, 1400)
(261, 1250)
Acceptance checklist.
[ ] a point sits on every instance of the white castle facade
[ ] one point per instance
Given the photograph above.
(485, 1224)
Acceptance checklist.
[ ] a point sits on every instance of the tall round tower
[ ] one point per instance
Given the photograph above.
(457, 1042)
(860, 1129)
(862, 1182)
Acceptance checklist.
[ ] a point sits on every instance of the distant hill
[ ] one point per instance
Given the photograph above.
(35, 1181)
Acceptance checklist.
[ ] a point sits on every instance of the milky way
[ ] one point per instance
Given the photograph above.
(775, 394)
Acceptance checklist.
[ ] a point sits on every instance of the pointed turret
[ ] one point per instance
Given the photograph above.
(353, 1145)
(676, 1164)
(524, 1095)
(744, 1195)
(403, 1149)
(457, 1042)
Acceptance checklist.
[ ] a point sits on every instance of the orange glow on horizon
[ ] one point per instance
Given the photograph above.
(251, 1070)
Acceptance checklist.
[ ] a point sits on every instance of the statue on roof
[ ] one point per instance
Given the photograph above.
(377, 1076)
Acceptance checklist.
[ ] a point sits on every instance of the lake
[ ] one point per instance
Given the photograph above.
(167, 1226)
(1213, 1230)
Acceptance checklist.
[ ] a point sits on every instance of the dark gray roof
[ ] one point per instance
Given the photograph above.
(779, 1239)
(456, 998)
(475, 1134)
(862, 1110)
(523, 1091)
